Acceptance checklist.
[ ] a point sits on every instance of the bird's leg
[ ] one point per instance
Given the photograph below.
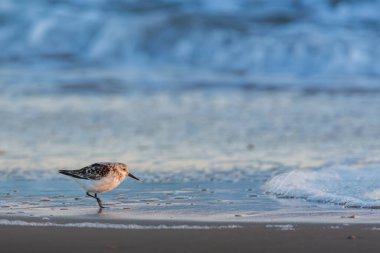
(97, 199)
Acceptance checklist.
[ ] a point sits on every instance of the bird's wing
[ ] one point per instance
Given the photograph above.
(95, 171)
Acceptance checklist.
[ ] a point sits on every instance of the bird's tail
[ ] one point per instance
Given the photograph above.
(65, 172)
(70, 173)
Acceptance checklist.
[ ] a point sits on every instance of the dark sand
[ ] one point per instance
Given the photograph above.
(250, 238)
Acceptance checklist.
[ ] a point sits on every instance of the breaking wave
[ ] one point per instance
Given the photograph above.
(288, 41)
(341, 185)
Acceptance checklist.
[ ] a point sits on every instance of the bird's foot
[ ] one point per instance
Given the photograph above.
(95, 196)
(100, 203)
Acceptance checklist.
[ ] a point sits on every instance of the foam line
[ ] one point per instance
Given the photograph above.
(5, 222)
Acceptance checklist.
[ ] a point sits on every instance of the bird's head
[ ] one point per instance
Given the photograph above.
(123, 168)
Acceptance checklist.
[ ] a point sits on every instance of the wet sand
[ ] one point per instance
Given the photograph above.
(247, 238)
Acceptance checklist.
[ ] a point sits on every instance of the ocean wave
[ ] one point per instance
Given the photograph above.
(302, 40)
(335, 184)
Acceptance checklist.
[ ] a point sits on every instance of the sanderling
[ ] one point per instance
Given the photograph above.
(100, 177)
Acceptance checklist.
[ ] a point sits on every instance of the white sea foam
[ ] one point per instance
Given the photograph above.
(287, 227)
(341, 185)
(6, 222)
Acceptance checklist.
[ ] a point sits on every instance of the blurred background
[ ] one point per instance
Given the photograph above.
(174, 44)
(225, 103)
(183, 86)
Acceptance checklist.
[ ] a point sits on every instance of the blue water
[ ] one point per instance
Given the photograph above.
(323, 44)
(237, 107)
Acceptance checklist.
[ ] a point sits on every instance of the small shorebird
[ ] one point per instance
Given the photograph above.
(100, 177)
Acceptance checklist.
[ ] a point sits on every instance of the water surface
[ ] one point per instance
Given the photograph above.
(239, 110)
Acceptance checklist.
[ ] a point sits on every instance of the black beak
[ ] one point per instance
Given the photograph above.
(132, 176)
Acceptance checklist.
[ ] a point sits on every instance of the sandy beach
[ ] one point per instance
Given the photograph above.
(252, 237)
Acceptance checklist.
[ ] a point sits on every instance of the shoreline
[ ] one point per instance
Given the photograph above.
(259, 237)
(180, 223)
(120, 216)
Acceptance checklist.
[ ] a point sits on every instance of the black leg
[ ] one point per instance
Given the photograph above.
(97, 199)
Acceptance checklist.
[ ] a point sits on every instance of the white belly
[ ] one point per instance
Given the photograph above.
(98, 186)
